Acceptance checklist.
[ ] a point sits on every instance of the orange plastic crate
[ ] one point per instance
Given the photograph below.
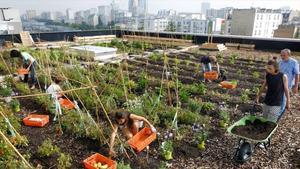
(142, 139)
(228, 85)
(213, 75)
(22, 71)
(36, 120)
(96, 158)
(66, 104)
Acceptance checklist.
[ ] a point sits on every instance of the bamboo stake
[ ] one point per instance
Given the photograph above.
(44, 94)
(14, 148)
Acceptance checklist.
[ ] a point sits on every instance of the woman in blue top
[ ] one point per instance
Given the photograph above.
(29, 63)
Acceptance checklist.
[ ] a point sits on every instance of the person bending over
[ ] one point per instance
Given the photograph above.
(129, 123)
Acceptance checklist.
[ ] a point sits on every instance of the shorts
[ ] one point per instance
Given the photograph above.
(271, 113)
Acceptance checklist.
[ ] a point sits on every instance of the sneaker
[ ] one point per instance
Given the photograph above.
(32, 87)
(261, 145)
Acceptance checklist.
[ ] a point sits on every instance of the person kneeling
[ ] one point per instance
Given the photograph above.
(130, 124)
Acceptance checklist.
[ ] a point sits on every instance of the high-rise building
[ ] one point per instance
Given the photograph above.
(104, 13)
(10, 21)
(204, 7)
(255, 22)
(93, 20)
(142, 7)
(31, 14)
(133, 7)
(47, 15)
(70, 16)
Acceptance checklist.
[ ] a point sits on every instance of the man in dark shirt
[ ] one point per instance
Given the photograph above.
(206, 63)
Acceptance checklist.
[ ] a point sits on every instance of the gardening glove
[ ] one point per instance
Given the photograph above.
(153, 129)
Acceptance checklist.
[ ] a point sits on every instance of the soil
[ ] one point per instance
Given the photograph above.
(256, 130)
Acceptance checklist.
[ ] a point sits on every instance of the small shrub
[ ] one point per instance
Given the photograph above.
(122, 165)
(202, 89)
(187, 117)
(207, 106)
(194, 106)
(245, 95)
(184, 95)
(255, 75)
(201, 138)
(47, 149)
(64, 161)
(224, 119)
(166, 150)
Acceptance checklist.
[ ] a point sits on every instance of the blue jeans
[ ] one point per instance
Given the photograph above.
(206, 67)
(283, 105)
(32, 73)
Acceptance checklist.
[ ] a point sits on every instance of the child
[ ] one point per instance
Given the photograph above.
(55, 91)
(29, 63)
(130, 125)
(276, 85)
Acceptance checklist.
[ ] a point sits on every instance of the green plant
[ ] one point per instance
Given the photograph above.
(122, 165)
(194, 105)
(47, 149)
(201, 138)
(202, 89)
(23, 88)
(131, 85)
(187, 117)
(245, 95)
(166, 150)
(240, 72)
(207, 106)
(255, 75)
(64, 161)
(232, 58)
(142, 81)
(184, 95)
(5, 90)
(8, 158)
(156, 56)
(15, 105)
(224, 119)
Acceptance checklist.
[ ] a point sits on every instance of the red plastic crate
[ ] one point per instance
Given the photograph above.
(142, 139)
(66, 104)
(213, 75)
(228, 85)
(96, 158)
(36, 120)
(22, 71)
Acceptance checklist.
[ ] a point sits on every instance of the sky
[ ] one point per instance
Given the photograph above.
(154, 5)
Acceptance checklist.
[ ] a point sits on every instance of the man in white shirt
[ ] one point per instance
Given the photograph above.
(29, 63)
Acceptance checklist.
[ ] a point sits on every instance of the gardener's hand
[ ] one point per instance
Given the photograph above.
(257, 100)
(112, 153)
(295, 90)
(153, 129)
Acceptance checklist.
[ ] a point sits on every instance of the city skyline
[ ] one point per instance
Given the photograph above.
(154, 5)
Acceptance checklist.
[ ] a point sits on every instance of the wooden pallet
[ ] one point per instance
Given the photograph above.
(26, 39)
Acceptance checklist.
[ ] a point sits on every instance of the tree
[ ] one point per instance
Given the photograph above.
(171, 27)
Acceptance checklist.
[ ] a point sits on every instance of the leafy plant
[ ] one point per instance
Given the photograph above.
(15, 105)
(233, 58)
(142, 81)
(47, 149)
(202, 89)
(64, 161)
(187, 117)
(224, 118)
(166, 150)
(245, 95)
(184, 95)
(194, 105)
(201, 138)
(207, 106)
(5, 90)
(122, 165)
(240, 72)
(255, 75)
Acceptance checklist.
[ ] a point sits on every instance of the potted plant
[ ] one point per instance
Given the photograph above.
(15, 105)
(167, 150)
